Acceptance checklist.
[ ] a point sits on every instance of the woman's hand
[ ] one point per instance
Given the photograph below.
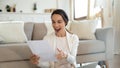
(34, 59)
(61, 55)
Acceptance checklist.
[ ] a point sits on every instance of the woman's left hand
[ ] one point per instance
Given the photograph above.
(61, 55)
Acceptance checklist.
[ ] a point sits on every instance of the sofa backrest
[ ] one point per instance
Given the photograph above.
(84, 29)
(39, 31)
(35, 31)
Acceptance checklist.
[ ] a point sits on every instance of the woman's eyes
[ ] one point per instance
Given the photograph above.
(57, 22)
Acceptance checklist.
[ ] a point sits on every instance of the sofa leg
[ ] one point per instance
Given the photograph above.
(106, 64)
(81, 65)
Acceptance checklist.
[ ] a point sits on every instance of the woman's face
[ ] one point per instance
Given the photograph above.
(58, 23)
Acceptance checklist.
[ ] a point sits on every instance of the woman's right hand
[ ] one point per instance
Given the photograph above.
(34, 59)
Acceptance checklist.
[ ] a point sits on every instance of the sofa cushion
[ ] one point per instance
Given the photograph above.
(91, 47)
(12, 32)
(39, 31)
(28, 28)
(13, 52)
(49, 27)
(84, 29)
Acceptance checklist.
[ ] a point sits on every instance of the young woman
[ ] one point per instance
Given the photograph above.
(64, 43)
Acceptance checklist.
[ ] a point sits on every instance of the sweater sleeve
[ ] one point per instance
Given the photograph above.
(72, 55)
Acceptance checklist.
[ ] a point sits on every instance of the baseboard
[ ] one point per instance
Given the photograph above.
(117, 52)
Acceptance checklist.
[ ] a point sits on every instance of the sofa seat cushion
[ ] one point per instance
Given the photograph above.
(13, 52)
(91, 47)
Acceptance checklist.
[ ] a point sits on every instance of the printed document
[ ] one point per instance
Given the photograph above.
(43, 49)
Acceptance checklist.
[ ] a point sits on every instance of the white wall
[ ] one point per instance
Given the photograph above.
(27, 5)
(116, 26)
(65, 5)
(26, 17)
(108, 13)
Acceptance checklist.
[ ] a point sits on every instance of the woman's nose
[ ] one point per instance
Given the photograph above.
(55, 24)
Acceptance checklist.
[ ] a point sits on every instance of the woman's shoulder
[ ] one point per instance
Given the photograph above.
(72, 35)
(75, 36)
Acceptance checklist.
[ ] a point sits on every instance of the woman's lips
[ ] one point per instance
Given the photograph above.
(57, 30)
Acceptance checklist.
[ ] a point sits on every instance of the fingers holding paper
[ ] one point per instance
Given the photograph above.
(61, 55)
(34, 59)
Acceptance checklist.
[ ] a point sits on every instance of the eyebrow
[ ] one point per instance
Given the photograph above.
(58, 20)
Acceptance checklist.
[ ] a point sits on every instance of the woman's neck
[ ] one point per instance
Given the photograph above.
(61, 33)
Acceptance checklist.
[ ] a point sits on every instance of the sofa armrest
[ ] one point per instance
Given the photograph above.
(106, 35)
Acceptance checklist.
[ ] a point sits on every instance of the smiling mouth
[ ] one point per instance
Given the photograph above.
(57, 30)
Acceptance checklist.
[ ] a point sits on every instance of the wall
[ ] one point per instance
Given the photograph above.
(26, 17)
(116, 26)
(26, 6)
(112, 18)
(65, 5)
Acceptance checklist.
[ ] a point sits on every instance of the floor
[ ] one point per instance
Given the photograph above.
(114, 63)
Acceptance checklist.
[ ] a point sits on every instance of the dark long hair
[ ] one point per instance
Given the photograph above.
(62, 13)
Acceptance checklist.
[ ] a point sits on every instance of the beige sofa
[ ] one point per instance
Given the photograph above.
(16, 55)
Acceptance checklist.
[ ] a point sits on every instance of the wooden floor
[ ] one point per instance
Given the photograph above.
(115, 62)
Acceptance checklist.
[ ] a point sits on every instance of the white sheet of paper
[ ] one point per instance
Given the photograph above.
(42, 49)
